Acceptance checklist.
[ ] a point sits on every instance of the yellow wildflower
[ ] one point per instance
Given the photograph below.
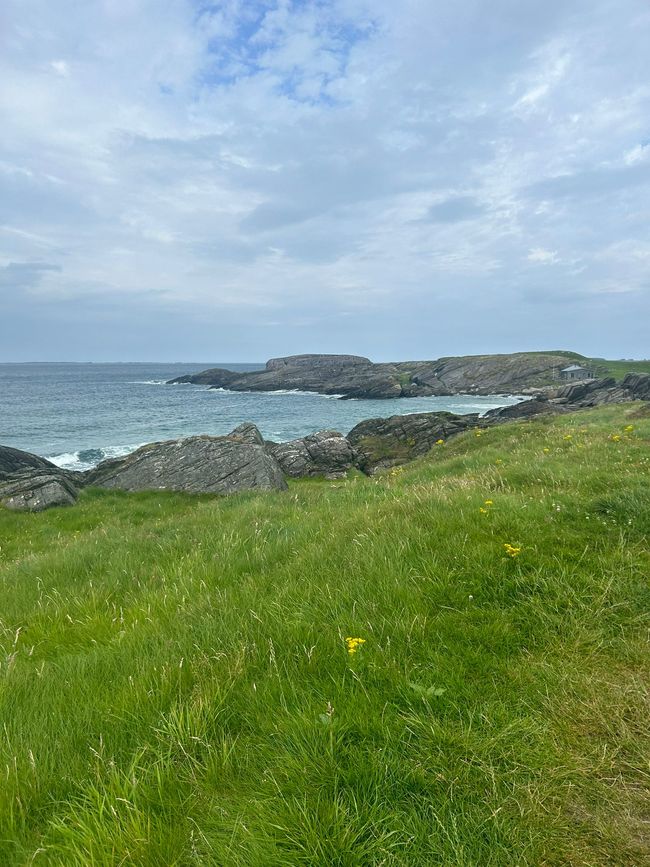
(568, 436)
(488, 503)
(483, 511)
(353, 644)
(628, 428)
(546, 451)
(615, 438)
(440, 442)
(512, 550)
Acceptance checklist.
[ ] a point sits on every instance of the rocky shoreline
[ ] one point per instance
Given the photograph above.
(353, 376)
(243, 460)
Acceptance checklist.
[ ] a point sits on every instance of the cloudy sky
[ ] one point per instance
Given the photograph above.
(235, 180)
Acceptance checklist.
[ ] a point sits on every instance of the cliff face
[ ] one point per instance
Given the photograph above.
(355, 376)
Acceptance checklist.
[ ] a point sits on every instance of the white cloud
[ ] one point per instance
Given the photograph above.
(542, 257)
(270, 155)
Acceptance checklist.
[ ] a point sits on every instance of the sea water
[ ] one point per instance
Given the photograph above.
(79, 414)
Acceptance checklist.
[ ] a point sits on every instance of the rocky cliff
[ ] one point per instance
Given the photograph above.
(355, 376)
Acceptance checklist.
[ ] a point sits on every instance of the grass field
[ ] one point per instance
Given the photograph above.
(176, 687)
(618, 369)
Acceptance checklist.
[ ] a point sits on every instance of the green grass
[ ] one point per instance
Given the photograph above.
(175, 687)
(618, 369)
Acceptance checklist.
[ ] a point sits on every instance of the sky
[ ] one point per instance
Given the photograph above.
(237, 180)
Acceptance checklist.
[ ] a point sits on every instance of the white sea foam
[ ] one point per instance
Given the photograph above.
(86, 459)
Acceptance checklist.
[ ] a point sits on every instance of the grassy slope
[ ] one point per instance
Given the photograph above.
(167, 664)
(618, 369)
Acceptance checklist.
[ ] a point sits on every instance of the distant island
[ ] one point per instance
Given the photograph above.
(353, 376)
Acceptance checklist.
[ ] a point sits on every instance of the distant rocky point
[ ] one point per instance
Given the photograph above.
(353, 376)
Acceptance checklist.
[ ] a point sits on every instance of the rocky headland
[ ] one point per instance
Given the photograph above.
(353, 376)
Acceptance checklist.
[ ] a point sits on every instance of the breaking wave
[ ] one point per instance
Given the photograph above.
(86, 459)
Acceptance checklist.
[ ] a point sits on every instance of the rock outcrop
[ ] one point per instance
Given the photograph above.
(326, 453)
(15, 461)
(540, 405)
(198, 464)
(595, 392)
(34, 490)
(386, 442)
(353, 376)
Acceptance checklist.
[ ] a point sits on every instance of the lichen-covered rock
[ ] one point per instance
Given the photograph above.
(386, 442)
(35, 490)
(199, 464)
(326, 453)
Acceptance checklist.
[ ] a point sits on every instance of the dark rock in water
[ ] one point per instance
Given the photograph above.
(247, 433)
(387, 442)
(199, 464)
(34, 490)
(525, 409)
(15, 461)
(208, 377)
(326, 453)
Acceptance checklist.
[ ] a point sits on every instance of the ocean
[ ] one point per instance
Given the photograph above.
(79, 414)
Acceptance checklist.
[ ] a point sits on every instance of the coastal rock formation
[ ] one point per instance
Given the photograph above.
(539, 405)
(198, 464)
(386, 442)
(595, 392)
(638, 384)
(247, 432)
(353, 376)
(34, 490)
(15, 461)
(326, 453)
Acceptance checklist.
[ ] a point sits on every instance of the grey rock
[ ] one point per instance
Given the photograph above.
(326, 453)
(34, 490)
(353, 376)
(525, 409)
(15, 461)
(199, 464)
(638, 384)
(577, 392)
(247, 433)
(386, 442)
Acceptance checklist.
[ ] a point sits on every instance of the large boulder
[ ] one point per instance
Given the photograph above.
(386, 442)
(34, 490)
(198, 464)
(326, 453)
(15, 461)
